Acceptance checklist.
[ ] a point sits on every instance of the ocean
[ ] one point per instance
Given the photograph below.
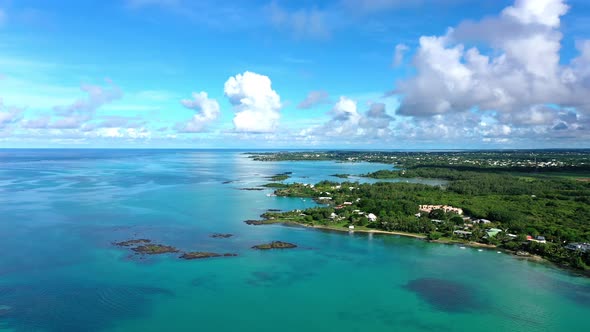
(61, 210)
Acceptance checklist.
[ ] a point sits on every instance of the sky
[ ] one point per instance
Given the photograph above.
(369, 74)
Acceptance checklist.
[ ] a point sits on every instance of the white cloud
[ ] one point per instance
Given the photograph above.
(79, 112)
(257, 105)
(207, 110)
(314, 98)
(118, 132)
(545, 12)
(347, 122)
(523, 79)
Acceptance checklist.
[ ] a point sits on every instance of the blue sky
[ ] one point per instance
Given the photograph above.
(329, 74)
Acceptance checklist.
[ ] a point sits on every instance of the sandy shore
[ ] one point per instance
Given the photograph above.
(472, 244)
(345, 230)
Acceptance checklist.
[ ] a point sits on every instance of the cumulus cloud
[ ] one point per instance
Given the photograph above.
(256, 104)
(207, 110)
(347, 121)
(523, 79)
(301, 23)
(314, 98)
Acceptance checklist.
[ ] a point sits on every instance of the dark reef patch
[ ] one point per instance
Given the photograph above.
(579, 294)
(445, 295)
(202, 254)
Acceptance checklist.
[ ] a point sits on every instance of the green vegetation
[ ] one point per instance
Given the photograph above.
(574, 163)
(342, 176)
(280, 176)
(130, 243)
(274, 185)
(520, 204)
(275, 245)
(154, 249)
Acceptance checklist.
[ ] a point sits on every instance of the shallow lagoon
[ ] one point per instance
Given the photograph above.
(62, 209)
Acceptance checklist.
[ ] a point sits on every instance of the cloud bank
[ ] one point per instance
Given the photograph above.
(522, 84)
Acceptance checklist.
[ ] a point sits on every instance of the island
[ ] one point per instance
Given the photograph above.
(221, 236)
(134, 242)
(535, 204)
(280, 176)
(154, 249)
(275, 245)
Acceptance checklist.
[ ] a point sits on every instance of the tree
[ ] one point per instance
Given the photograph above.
(437, 214)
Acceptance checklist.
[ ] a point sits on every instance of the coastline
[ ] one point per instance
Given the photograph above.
(530, 257)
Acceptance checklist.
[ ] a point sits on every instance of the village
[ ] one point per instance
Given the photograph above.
(348, 206)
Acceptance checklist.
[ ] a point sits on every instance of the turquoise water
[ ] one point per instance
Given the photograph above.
(62, 209)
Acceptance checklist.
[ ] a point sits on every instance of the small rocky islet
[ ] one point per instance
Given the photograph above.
(155, 249)
(130, 243)
(254, 222)
(144, 246)
(221, 235)
(275, 245)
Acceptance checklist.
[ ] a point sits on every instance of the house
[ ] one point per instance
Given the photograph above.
(583, 247)
(482, 221)
(333, 215)
(351, 227)
(324, 198)
(541, 239)
(493, 232)
(372, 217)
(446, 208)
(462, 233)
(538, 239)
(347, 203)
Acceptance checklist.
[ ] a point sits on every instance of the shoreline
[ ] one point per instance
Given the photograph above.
(471, 244)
